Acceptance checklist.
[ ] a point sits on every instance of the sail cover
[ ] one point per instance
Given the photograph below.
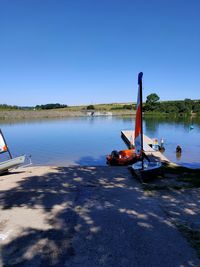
(138, 120)
(3, 147)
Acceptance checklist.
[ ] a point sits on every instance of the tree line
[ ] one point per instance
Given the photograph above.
(154, 105)
(186, 106)
(151, 105)
(50, 106)
(8, 107)
(37, 107)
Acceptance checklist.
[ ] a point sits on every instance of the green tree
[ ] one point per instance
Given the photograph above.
(127, 106)
(50, 106)
(152, 102)
(188, 104)
(152, 98)
(183, 107)
(172, 109)
(196, 107)
(90, 107)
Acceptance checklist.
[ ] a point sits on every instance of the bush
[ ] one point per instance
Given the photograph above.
(50, 106)
(128, 107)
(90, 107)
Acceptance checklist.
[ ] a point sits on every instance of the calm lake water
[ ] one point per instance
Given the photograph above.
(87, 140)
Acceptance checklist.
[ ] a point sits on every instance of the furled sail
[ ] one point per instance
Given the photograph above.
(138, 120)
(3, 147)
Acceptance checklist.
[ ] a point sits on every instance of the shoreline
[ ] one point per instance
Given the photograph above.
(54, 113)
(71, 113)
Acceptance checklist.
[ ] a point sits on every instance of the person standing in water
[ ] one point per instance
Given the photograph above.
(162, 148)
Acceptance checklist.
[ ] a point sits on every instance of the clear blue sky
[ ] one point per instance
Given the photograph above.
(90, 51)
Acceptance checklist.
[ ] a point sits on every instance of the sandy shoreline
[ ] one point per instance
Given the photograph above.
(86, 216)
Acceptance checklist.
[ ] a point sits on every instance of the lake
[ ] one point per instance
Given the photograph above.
(87, 140)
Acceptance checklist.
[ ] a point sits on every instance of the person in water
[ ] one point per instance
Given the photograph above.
(162, 148)
(178, 149)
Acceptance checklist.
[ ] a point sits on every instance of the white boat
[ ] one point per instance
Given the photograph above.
(150, 169)
(12, 163)
(144, 165)
(147, 165)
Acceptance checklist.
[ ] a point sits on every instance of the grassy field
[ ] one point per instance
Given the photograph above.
(175, 177)
(116, 109)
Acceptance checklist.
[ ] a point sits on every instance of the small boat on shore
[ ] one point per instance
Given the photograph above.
(146, 169)
(145, 166)
(12, 163)
(136, 156)
(122, 157)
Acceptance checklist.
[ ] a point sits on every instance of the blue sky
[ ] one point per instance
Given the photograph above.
(90, 51)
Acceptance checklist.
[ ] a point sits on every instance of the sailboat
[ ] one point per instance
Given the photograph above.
(122, 157)
(12, 162)
(129, 156)
(144, 164)
(135, 156)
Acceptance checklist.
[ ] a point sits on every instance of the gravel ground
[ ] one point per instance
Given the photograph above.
(90, 216)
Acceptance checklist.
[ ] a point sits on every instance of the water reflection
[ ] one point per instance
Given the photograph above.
(178, 156)
(151, 126)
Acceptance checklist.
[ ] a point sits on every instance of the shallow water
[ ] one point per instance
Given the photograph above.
(87, 140)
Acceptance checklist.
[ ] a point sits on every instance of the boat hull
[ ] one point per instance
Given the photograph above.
(122, 157)
(11, 164)
(150, 169)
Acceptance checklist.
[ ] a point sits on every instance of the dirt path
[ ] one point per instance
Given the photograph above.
(85, 216)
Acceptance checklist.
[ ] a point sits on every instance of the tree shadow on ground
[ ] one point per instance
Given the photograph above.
(178, 192)
(94, 216)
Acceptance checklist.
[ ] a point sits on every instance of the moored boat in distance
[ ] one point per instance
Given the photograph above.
(98, 113)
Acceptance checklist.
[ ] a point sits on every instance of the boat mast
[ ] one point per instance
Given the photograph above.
(141, 127)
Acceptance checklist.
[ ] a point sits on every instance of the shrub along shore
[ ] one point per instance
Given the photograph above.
(62, 113)
(54, 113)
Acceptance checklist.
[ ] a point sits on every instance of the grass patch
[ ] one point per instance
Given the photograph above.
(191, 178)
(175, 177)
(192, 235)
(183, 174)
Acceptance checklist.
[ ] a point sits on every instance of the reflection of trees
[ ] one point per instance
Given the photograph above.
(124, 118)
(151, 125)
(178, 156)
(153, 122)
(186, 121)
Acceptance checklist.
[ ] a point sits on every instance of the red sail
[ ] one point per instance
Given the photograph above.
(3, 147)
(138, 120)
